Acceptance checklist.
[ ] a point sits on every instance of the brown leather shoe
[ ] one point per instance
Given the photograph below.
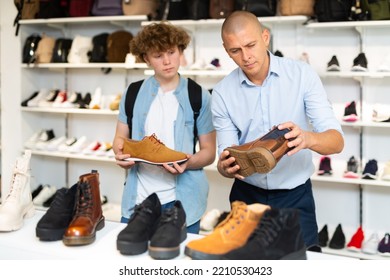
(151, 150)
(88, 217)
(260, 155)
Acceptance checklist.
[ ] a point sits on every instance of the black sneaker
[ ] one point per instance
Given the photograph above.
(338, 239)
(52, 225)
(323, 236)
(171, 231)
(32, 96)
(352, 169)
(277, 236)
(370, 170)
(36, 191)
(360, 63)
(350, 114)
(333, 64)
(325, 167)
(134, 238)
(278, 53)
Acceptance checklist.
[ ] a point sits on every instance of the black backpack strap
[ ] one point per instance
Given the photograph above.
(195, 95)
(131, 95)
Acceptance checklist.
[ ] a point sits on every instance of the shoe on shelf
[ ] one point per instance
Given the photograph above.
(338, 239)
(18, 205)
(333, 65)
(91, 148)
(386, 172)
(356, 242)
(47, 192)
(370, 170)
(278, 236)
(352, 169)
(103, 149)
(53, 144)
(323, 236)
(371, 245)
(83, 103)
(78, 146)
(262, 154)
(114, 105)
(213, 65)
(33, 140)
(171, 231)
(72, 100)
(350, 114)
(33, 102)
(230, 234)
(32, 96)
(96, 101)
(49, 201)
(55, 221)
(61, 98)
(44, 139)
(381, 113)
(49, 99)
(210, 220)
(142, 224)
(360, 63)
(384, 246)
(325, 167)
(152, 151)
(64, 147)
(36, 191)
(278, 53)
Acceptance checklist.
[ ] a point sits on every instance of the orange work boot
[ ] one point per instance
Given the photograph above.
(260, 155)
(151, 150)
(230, 234)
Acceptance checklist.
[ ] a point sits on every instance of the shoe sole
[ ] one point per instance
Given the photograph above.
(260, 160)
(197, 255)
(155, 163)
(131, 248)
(18, 223)
(297, 255)
(167, 253)
(83, 240)
(45, 234)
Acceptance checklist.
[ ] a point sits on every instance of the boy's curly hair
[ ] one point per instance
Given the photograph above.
(158, 37)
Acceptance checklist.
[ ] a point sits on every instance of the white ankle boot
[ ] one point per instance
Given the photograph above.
(18, 203)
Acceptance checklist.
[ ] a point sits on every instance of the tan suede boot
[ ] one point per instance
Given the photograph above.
(151, 150)
(230, 234)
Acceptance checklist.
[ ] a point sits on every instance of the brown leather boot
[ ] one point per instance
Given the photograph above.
(260, 155)
(88, 217)
(151, 150)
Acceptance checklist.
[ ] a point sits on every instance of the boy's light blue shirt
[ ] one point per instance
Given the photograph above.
(243, 112)
(191, 186)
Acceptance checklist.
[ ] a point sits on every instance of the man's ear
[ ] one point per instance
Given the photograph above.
(266, 37)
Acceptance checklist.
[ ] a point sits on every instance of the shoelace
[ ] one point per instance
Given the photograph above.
(234, 218)
(169, 215)
(155, 140)
(267, 231)
(84, 201)
(16, 183)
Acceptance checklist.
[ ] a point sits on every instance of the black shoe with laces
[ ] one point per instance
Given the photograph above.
(52, 225)
(171, 231)
(134, 238)
(277, 237)
(338, 239)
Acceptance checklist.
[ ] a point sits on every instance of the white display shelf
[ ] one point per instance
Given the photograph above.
(352, 74)
(71, 111)
(349, 24)
(74, 156)
(203, 73)
(359, 124)
(357, 181)
(91, 65)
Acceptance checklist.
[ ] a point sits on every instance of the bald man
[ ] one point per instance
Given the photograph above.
(266, 91)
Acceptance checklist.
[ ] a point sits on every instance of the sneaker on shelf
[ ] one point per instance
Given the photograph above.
(152, 151)
(213, 65)
(370, 170)
(48, 201)
(352, 169)
(44, 195)
(91, 148)
(55, 143)
(210, 219)
(325, 167)
(386, 172)
(33, 102)
(36, 191)
(43, 140)
(31, 97)
(323, 236)
(385, 65)
(130, 60)
(78, 146)
(278, 53)
(32, 141)
(381, 113)
(350, 114)
(360, 63)
(333, 65)
(371, 245)
(114, 105)
(355, 244)
(83, 103)
(62, 96)
(96, 101)
(384, 246)
(338, 239)
(103, 149)
(49, 99)
(72, 101)
(64, 147)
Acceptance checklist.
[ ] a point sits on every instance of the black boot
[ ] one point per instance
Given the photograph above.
(134, 238)
(52, 225)
(277, 237)
(171, 231)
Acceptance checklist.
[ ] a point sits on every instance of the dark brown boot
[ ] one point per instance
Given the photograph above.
(88, 217)
(260, 155)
